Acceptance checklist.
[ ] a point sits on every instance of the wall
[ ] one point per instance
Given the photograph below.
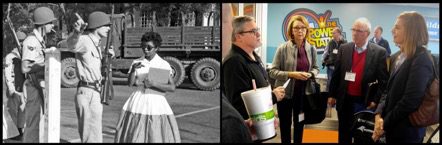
(378, 14)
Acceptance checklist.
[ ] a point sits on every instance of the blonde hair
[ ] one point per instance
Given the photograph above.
(416, 33)
(294, 18)
(238, 23)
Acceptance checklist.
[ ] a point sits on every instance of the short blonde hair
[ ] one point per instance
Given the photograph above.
(416, 33)
(294, 18)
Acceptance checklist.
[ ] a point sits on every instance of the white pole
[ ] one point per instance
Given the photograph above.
(261, 21)
(52, 95)
(240, 9)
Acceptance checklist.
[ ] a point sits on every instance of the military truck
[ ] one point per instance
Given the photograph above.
(192, 51)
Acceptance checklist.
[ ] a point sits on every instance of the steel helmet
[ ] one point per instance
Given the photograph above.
(97, 19)
(43, 15)
(21, 35)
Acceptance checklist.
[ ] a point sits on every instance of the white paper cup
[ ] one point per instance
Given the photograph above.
(260, 109)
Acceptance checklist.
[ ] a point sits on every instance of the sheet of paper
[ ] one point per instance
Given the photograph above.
(301, 117)
(286, 83)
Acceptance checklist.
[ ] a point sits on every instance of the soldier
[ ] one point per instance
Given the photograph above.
(14, 84)
(33, 67)
(88, 55)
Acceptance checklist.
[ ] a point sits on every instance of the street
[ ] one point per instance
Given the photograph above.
(197, 113)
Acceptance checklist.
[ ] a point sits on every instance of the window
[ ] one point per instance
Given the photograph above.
(144, 19)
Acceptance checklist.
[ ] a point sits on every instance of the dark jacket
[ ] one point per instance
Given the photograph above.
(233, 126)
(330, 57)
(405, 90)
(375, 69)
(383, 43)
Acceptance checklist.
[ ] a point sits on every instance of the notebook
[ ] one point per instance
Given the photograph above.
(158, 75)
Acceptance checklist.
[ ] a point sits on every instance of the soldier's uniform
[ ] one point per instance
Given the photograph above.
(14, 82)
(87, 100)
(88, 55)
(33, 87)
(33, 47)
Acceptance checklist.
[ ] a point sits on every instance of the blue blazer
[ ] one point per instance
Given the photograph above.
(405, 90)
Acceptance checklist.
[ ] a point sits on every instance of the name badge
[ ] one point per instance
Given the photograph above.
(301, 117)
(350, 76)
(335, 51)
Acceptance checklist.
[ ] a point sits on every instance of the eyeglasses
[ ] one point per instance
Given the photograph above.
(253, 31)
(148, 47)
(299, 28)
(357, 30)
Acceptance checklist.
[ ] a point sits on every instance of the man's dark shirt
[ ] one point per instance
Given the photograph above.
(330, 58)
(238, 71)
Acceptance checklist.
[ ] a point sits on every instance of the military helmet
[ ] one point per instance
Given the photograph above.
(43, 15)
(21, 35)
(97, 19)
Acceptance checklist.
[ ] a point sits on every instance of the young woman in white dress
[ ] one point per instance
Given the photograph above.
(146, 116)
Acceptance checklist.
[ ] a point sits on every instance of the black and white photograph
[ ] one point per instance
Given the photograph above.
(221, 72)
(111, 72)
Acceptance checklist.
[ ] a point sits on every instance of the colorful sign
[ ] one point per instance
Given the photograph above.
(321, 26)
(433, 28)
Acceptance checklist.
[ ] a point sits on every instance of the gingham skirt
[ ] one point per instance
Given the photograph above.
(147, 118)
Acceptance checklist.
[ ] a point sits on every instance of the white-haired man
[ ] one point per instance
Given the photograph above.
(358, 64)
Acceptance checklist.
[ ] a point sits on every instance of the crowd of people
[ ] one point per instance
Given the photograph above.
(352, 68)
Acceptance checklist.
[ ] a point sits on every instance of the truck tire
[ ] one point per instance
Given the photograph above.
(206, 74)
(69, 77)
(178, 72)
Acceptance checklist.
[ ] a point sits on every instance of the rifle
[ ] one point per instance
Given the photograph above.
(107, 91)
(13, 30)
(25, 76)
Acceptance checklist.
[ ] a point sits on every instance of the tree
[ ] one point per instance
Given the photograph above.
(175, 17)
(163, 14)
(200, 9)
(216, 15)
(84, 9)
(171, 14)
(159, 12)
(20, 15)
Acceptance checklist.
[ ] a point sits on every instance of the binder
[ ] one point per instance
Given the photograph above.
(158, 75)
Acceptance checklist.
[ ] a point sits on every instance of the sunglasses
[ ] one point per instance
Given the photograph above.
(148, 47)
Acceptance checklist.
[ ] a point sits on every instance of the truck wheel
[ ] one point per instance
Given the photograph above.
(69, 77)
(178, 72)
(206, 74)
